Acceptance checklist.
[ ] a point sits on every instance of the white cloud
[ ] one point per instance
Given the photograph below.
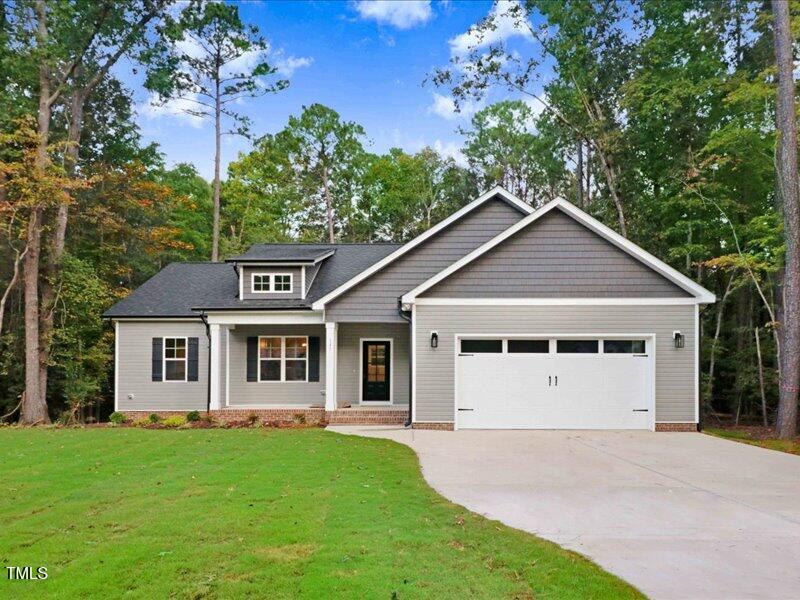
(452, 150)
(445, 107)
(507, 23)
(287, 65)
(176, 108)
(403, 14)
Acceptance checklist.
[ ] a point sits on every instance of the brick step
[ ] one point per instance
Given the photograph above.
(367, 417)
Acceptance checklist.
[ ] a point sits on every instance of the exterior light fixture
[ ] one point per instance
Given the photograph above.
(434, 339)
(678, 338)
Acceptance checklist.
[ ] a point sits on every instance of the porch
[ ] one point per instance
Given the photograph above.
(289, 364)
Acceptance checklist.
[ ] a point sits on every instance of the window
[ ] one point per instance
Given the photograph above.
(282, 283)
(282, 358)
(271, 282)
(577, 346)
(174, 359)
(624, 346)
(528, 346)
(478, 346)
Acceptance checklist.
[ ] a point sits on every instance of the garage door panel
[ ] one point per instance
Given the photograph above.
(553, 391)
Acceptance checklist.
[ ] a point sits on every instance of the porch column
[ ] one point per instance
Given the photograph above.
(214, 371)
(331, 345)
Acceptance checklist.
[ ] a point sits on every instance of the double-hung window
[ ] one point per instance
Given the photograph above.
(282, 358)
(175, 359)
(271, 282)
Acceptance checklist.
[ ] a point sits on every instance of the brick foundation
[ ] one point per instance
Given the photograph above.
(366, 416)
(433, 426)
(310, 416)
(676, 426)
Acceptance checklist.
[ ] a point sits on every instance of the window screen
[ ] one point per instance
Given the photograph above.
(478, 346)
(528, 346)
(577, 346)
(624, 346)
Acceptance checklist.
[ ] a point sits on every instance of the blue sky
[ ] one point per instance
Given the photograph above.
(366, 60)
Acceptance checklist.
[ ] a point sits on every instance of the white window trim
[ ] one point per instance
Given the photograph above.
(164, 359)
(283, 359)
(361, 371)
(271, 287)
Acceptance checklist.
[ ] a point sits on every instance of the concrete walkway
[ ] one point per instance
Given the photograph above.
(678, 515)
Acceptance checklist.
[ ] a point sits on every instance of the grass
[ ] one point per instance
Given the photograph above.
(757, 436)
(264, 513)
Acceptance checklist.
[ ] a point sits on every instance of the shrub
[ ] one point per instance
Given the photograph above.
(174, 421)
(252, 418)
(193, 416)
(118, 418)
(299, 418)
(142, 423)
(154, 418)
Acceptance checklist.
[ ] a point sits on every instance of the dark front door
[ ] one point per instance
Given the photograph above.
(375, 367)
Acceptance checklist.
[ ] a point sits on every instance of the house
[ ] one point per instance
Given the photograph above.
(499, 316)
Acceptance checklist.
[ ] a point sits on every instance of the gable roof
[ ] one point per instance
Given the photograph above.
(700, 294)
(496, 192)
(180, 290)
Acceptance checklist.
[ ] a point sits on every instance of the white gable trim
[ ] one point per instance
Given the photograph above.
(700, 294)
(497, 191)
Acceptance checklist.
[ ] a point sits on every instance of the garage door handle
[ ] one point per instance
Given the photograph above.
(556, 380)
(465, 409)
(641, 410)
(466, 355)
(549, 380)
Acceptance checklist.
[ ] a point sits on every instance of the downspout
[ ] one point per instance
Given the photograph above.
(204, 319)
(407, 317)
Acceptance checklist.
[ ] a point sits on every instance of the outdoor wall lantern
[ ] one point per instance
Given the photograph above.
(434, 339)
(678, 337)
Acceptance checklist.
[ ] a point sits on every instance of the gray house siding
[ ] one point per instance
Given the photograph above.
(349, 368)
(134, 362)
(375, 299)
(247, 283)
(675, 368)
(270, 393)
(556, 257)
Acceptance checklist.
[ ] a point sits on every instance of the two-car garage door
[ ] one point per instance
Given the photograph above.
(575, 382)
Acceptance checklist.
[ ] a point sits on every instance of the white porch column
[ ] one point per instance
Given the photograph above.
(216, 340)
(331, 345)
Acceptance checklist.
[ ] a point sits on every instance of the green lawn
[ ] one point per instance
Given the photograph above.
(263, 512)
(757, 437)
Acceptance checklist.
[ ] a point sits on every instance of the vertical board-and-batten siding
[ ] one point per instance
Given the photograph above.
(675, 368)
(349, 369)
(135, 343)
(247, 283)
(375, 299)
(556, 257)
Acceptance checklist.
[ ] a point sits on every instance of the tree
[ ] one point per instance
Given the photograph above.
(789, 193)
(216, 61)
(325, 152)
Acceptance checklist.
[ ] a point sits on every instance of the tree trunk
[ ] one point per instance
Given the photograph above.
(217, 154)
(761, 379)
(34, 409)
(579, 175)
(328, 204)
(788, 184)
(709, 396)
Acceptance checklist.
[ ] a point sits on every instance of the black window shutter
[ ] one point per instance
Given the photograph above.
(313, 358)
(158, 355)
(252, 358)
(191, 374)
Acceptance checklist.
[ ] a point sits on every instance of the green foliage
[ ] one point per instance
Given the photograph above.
(154, 418)
(192, 416)
(174, 421)
(118, 418)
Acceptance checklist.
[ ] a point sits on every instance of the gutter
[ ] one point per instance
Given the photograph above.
(406, 317)
(204, 319)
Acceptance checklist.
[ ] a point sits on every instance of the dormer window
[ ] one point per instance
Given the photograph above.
(263, 283)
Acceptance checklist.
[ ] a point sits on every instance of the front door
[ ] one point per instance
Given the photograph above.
(375, 371)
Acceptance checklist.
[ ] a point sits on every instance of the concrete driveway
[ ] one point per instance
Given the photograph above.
(678, 515)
